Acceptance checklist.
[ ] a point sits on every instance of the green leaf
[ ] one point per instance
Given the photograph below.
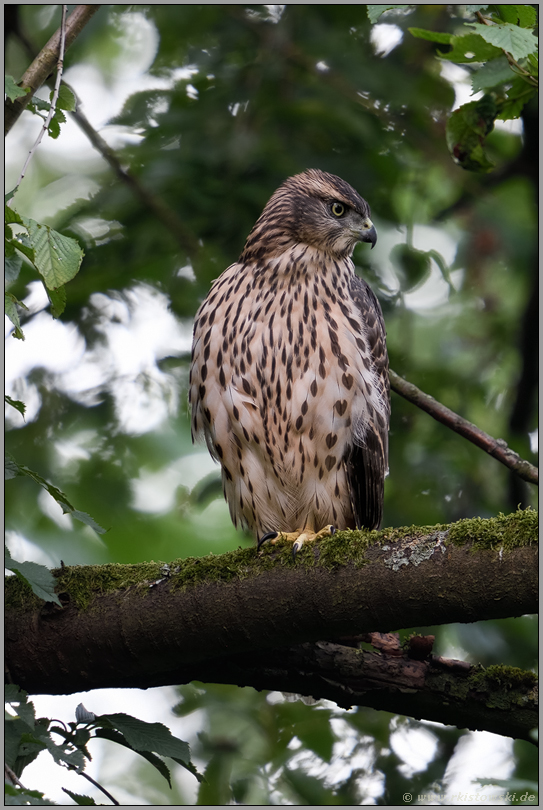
(470, 48)
(525, 16)
(39, 104)
(10, 215)
(10, 309)
(18, 700)
(491, 74)
(17, 404)
(432, 36)
(57, 257)
(12, 263)
(37, 576)
(21, 243)
(519, 42)
(414, 266)
(57, 299)
(83, 517)
(153, 759)
(471, 9)
(79, 799)
(16, 797)
(12, 90)
(61, 499)
(66, 99)
(518, 95)
(467, 129)
(375, 11)
(144, 736)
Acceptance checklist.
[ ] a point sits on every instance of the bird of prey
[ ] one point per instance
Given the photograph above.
(289, 376)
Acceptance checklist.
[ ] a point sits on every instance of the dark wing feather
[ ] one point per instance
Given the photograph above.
(367, 465)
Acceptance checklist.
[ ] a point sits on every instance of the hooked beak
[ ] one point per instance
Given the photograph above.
(368, 232)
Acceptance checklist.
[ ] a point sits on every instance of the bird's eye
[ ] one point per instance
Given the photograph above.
(338, 209)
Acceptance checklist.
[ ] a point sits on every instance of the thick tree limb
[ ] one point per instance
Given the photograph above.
(394, 680)
(241, 618)
(495, 447)
(45, 62)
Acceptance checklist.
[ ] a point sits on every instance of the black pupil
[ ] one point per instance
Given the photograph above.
(338, 209)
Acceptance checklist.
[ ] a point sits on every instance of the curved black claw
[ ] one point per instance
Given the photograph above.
(332, 530)
(267, 536)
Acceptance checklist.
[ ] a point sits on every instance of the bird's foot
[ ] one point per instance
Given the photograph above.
(296, 538)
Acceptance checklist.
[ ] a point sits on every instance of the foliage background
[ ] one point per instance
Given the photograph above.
(211, 108)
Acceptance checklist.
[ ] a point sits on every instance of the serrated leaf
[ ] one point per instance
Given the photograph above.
(18, 700)
(83, 517)
(519, 42)
(12, 692)
(61, 499)
(39, 104)
(57, 299)
(57, 257)
(17, 404)
(470, 48)
(491, 74)
(66, 99)
(79, 799)
(375, 11)
(116, 737)
(431, 36)
(144, 736)
(12, 90)
(75, 759)
(10, 215)
(38, 577)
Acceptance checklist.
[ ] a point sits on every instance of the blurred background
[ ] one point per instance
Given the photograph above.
(208, 109)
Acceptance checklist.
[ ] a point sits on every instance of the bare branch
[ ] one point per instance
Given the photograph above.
(44, 63)
(495, 447)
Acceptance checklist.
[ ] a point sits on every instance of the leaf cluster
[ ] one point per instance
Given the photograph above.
(26, 737)
(502, 50)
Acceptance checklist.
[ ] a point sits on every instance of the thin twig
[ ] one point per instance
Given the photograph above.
(98, 785)
(184, 237)
(44, 63)
(52, 109)
(12, 777)
(495, 447)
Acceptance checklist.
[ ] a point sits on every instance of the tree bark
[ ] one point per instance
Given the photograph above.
(143, 625)
(45, 62)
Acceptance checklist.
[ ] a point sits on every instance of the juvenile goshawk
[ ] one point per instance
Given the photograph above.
(289, 377)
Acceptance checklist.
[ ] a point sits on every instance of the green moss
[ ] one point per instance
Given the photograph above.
(503, 685)
(83, 582)
(504, 531)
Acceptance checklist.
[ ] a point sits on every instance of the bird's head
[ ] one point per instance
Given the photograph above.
(313, 208)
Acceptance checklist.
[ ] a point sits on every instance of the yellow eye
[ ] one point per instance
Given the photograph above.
(338, 209)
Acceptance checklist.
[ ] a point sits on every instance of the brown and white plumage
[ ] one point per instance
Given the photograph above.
(289, 377)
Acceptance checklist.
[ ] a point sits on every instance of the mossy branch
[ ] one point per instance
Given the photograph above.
(237, 617)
